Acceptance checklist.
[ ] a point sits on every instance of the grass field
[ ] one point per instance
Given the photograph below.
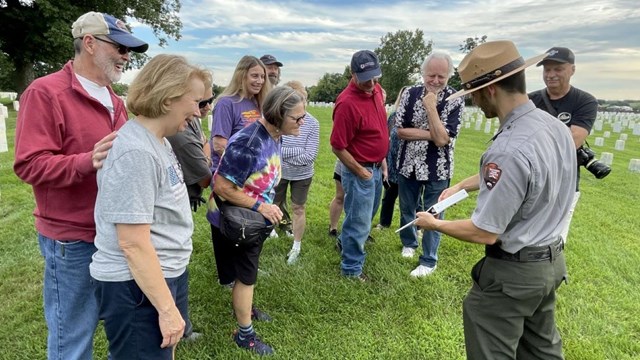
(319, 315)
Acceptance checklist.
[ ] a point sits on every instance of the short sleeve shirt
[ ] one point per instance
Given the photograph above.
(230, 115)
(188, 145)
(141, 183)
(527, 177)
(251, 161)
(577, 108)
(422, 158)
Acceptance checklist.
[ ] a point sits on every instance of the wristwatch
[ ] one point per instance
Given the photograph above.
(256, 205)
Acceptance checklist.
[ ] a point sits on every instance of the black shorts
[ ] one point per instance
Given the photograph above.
(337, 177)
(235, 262)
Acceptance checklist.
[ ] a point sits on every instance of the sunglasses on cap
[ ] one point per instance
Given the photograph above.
(122, 50)
(202, 104)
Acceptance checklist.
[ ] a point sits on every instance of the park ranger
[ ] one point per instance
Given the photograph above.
(526, 182)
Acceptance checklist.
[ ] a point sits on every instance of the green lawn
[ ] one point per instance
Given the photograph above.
(319, 315)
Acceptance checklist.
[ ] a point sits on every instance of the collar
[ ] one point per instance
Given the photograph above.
(354, 89)
(514, 115)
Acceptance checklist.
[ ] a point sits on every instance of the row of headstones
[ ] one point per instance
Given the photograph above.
(8, 95)
(477, 118)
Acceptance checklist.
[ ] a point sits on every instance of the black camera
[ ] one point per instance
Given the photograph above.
(587, 158)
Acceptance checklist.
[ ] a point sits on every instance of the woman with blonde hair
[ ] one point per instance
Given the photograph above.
(142, 214)
(239, 105)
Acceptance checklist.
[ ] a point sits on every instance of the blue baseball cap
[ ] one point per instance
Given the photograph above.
(95, 23)
(365, 65)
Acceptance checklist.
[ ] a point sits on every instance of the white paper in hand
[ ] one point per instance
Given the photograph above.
(441, 206)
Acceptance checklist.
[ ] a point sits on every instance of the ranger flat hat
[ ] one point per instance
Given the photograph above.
(489, 63)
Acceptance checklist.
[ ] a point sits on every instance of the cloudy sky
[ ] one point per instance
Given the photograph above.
(315, 37)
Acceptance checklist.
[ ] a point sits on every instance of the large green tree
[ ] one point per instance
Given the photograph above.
(36, 34)
(401, 54)
(329, 86)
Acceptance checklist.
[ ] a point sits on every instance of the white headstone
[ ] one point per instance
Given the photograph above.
(597, 126)
(487, 127)
(478, 125)
(3, 135)
(4, 112)
(617, 127)
(620, 145)
(607, 134)
(606, 158)
(636, 129)
(467, 124)
(210, 121)
(599, 141)
(623, 137)
(16, 105)
(634, 165)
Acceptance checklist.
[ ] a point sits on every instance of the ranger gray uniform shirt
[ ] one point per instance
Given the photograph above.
(527, 180)
(141, 183)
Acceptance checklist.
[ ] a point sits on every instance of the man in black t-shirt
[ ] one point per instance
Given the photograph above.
(575, 108)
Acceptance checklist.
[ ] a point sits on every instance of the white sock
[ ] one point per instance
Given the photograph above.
(296, 245)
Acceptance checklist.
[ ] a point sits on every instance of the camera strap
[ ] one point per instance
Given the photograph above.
(547, 103)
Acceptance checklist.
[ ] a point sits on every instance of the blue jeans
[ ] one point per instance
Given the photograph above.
(361, 201)
(409, 190)
(182, 302)
(131, 321)
(70, 307)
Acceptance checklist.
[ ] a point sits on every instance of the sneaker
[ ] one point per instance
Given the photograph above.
(257, 314)
(380, 227)
(423, 270)
(288, 233)
(292, 256)
(273, 234)
(408, 252)
(192, 337)
(252, 343)
(333, 233)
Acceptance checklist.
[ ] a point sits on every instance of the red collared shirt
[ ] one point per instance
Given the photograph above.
(360, 125)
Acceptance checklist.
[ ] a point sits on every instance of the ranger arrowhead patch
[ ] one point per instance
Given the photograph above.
(491, 174)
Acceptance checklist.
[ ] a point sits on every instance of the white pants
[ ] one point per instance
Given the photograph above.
(566, 222)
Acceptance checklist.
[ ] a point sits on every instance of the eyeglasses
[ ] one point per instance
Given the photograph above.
(297, 119)
(122, 50)
(202, 104)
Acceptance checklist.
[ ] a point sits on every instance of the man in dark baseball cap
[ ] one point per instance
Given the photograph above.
(574, 107)
(273, 68)
(360, 140)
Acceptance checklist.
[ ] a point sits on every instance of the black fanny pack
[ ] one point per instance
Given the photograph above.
(244, 227)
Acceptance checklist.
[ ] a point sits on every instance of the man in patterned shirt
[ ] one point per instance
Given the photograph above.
(427, 127)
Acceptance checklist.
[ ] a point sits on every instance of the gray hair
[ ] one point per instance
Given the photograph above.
(279, 103)
(77, 45)
(438, 55)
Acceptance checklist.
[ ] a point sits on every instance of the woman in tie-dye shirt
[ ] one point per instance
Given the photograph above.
(248, 172)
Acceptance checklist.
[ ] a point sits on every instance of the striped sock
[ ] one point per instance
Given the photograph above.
(245, 331)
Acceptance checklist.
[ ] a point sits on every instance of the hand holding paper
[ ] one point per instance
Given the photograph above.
(441, 206)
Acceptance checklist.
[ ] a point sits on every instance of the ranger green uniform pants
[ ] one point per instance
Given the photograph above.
(509, 311)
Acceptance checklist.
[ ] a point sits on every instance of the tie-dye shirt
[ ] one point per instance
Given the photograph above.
(252, 162)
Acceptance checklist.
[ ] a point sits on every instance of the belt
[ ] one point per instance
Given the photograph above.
(371, 164)
(526, 254)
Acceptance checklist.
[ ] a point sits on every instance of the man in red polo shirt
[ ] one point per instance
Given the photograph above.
(360, 140)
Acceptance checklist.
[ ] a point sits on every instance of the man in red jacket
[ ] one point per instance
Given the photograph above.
(66, 124)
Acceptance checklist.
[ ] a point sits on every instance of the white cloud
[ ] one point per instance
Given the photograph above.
(313, 38)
